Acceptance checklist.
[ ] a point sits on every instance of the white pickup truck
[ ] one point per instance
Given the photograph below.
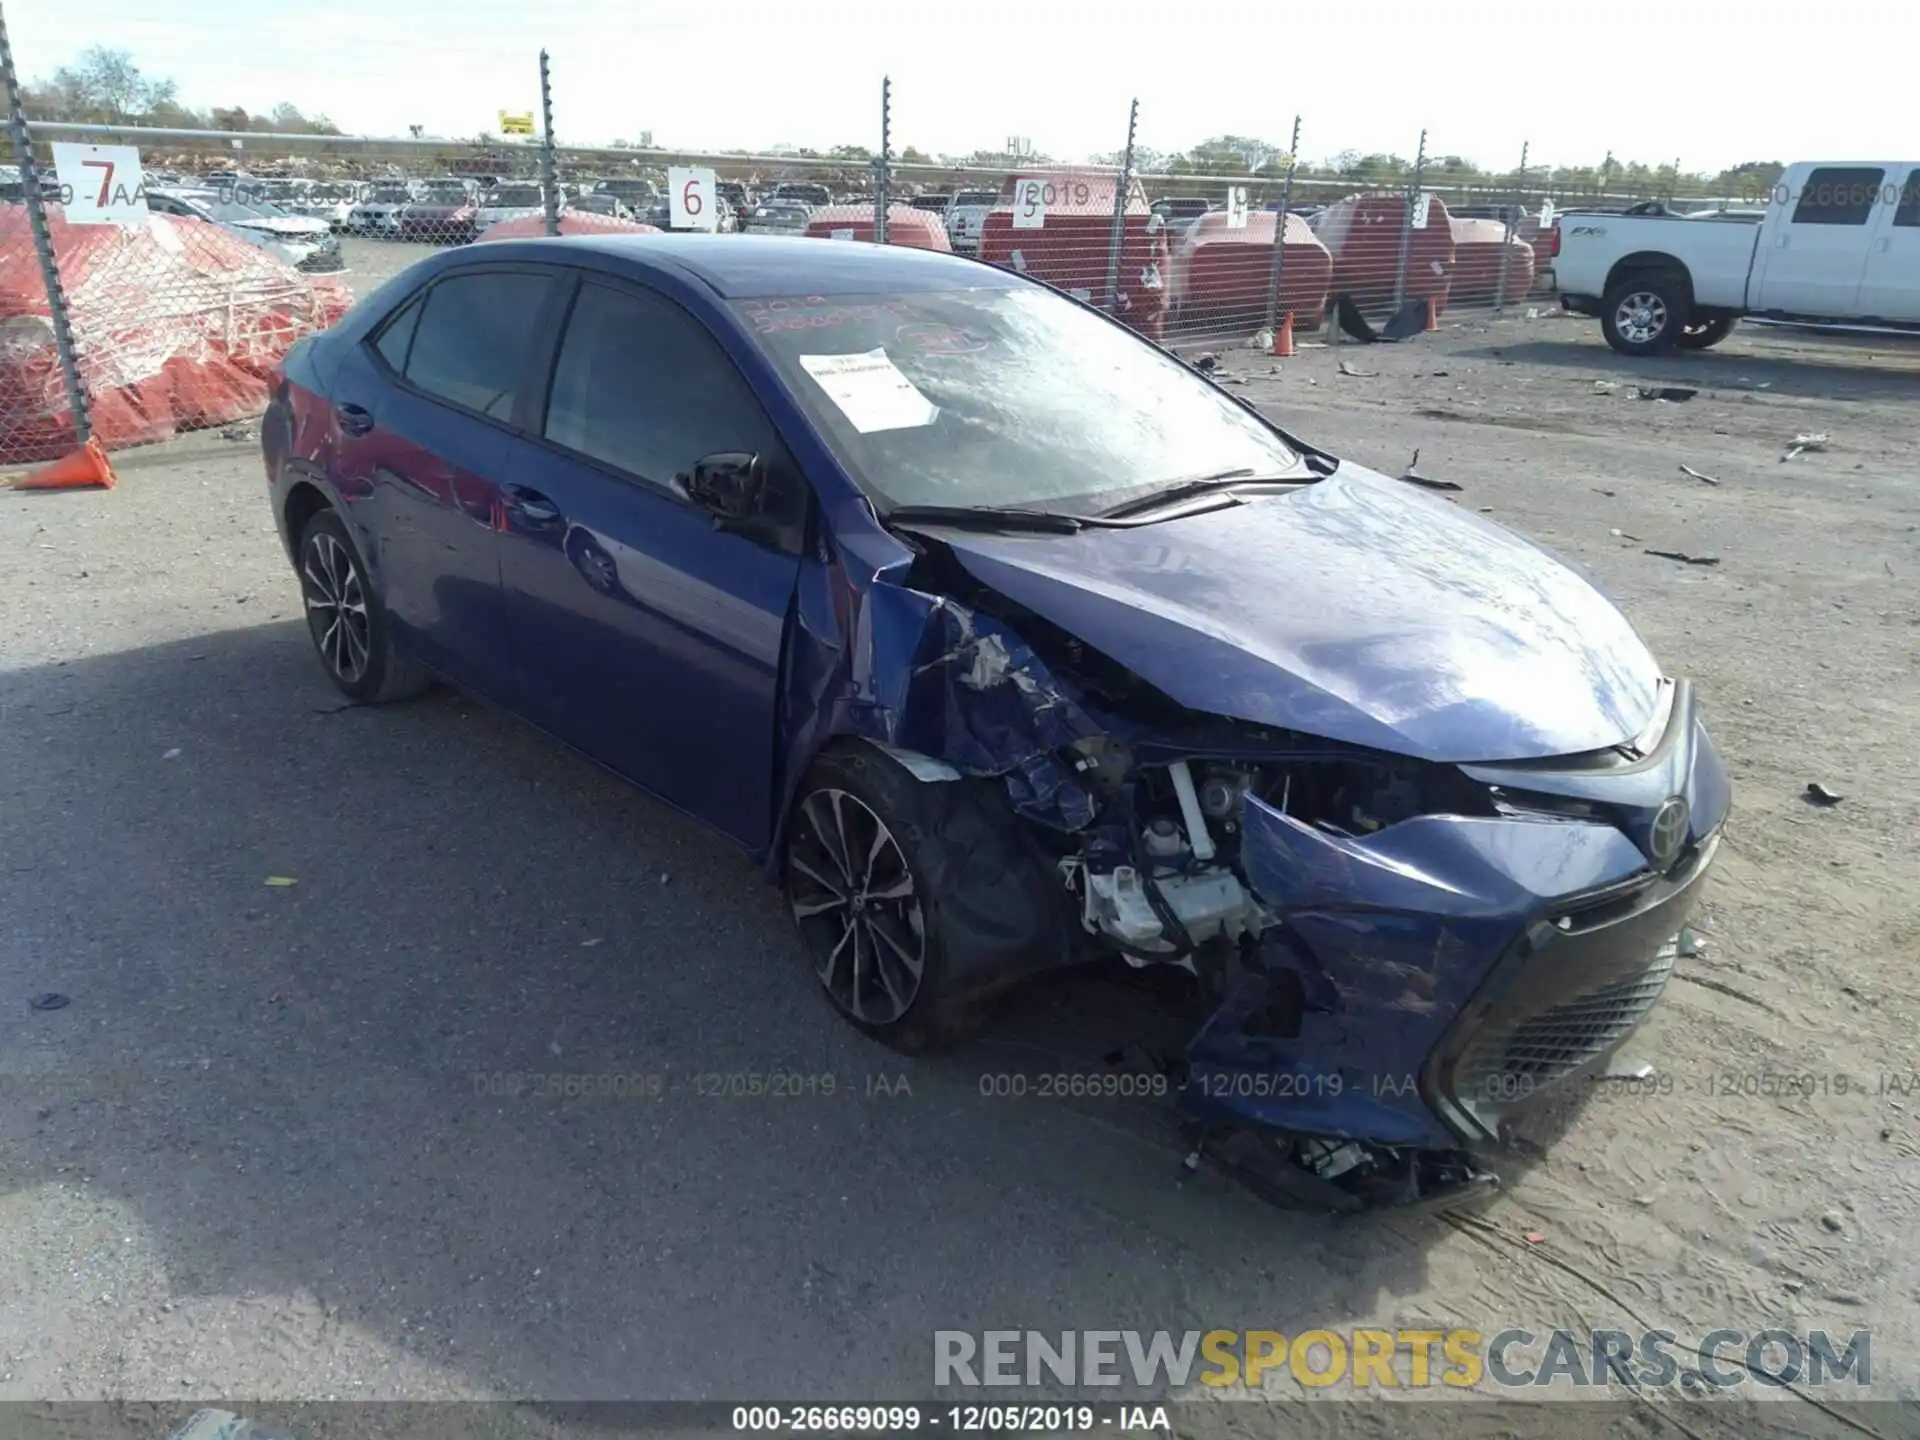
(1832, 242)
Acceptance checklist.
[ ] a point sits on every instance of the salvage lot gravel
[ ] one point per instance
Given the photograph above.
(258, 1155)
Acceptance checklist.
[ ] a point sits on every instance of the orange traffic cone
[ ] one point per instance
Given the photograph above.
(1433, 315)
(84, 467)
(1283, 337)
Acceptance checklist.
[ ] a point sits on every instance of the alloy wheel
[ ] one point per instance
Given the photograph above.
(858, 906)
(1640, 317)
(336, 606)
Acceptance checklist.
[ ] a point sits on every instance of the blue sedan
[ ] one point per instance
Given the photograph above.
(1006, 641)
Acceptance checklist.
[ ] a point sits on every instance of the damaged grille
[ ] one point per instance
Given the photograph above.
(1552, 1045)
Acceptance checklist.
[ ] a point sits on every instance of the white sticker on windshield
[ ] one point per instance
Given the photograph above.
(871, 391)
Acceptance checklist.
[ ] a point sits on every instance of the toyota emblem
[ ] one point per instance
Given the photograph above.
(1668, 831)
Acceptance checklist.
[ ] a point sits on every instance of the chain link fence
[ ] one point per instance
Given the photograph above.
(131, 332)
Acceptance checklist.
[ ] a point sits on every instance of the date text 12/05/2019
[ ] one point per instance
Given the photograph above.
(956, 1419)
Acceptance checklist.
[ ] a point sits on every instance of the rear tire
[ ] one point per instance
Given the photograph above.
(1705, 334)
(1645, 314)
(917, 901)
(346, 620)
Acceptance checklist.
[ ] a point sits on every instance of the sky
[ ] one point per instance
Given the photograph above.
(1704, 82)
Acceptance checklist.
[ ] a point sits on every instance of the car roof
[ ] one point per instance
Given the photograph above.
(750, 266)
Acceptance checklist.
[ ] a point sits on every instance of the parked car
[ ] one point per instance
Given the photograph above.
(780, 217)
(636, 194)
(967, 217)
(446, 212)
(330, 201)
(1837, 242)
(515, 199)
(377, 213)
(735, 194)
(302, 242)
(807, 192)
(598, 204)
(991, 684)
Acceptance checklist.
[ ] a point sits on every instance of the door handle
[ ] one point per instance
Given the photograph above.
(354, 419)
(531, 506)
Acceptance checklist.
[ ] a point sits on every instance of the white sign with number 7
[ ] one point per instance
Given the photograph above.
(100, 184)
(690, 198)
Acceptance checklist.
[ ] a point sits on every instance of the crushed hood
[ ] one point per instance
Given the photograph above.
(1357, 609)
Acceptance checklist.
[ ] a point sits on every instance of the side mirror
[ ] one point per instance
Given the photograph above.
(729, 485)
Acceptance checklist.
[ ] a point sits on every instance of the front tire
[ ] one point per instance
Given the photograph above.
(346, 620)
(917, 901)
(1646, 314)
(1705, 334)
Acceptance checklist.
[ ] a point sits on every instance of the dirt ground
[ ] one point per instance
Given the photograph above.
(247, 1164)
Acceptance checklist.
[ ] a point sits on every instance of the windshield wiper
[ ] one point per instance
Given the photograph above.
(1177, 490)
(985, 517)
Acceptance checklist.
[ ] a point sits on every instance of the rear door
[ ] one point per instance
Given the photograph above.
(643, 635)
(422, 419)
(1891, 287)
(1816, 254)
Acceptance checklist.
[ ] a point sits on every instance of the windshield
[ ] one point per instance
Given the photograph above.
(508, 195)
(389, 194)
(1013, 397)
(444, 194)
(977, 197)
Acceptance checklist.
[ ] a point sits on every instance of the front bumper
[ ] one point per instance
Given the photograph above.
(1429, 985)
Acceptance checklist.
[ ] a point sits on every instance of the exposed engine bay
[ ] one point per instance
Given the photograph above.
(1392, 957)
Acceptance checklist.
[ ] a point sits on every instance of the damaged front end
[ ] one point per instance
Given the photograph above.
(1395, 958)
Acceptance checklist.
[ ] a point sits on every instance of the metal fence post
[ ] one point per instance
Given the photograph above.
(882, 163)
(1513, 226)
(1116, 234)
(549, 186)
(1279, 264)
(1406, 225)
(43, 242)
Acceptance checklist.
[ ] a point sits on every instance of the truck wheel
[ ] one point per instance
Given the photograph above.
(1645, 314)
(1706, 334)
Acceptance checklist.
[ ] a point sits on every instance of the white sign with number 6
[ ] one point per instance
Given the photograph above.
(100, 184)
(1030, 204)
(690, 198)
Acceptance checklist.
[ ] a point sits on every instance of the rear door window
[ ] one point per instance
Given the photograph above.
(471, 342)
(1839, 195)
(1908, 214)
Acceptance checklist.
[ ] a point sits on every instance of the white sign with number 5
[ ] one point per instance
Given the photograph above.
(690, 198)
(1030, 204)
(100, 184)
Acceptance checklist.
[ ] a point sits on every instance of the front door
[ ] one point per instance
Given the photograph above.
(1813, 261)
(643, 635)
